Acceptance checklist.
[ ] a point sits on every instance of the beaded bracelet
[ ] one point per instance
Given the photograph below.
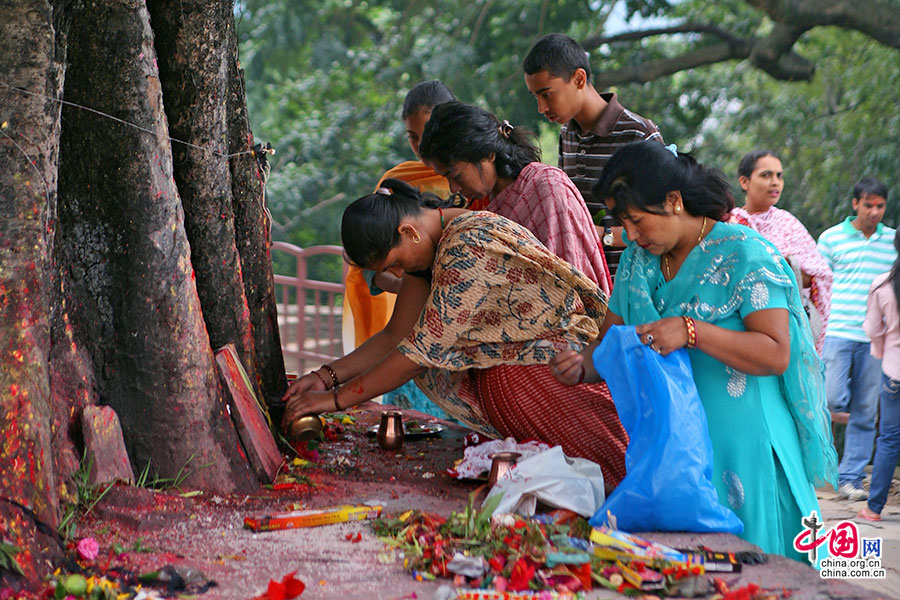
(691, 332)
(322, 379)
(334, 379)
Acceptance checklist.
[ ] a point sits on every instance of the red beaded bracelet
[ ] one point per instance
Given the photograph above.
(322, 379)
(691, 332)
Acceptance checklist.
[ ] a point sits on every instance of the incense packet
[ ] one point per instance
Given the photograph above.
(313, 517)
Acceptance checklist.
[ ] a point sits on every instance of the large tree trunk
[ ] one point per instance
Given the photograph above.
(98, 298)
(130, 286)
(193, 66)
(29, 143)
(253, 229)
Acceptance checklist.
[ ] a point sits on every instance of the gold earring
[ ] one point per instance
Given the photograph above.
(416, 239)
(678, 209)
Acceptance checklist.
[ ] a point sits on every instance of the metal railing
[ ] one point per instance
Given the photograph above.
(309, 310)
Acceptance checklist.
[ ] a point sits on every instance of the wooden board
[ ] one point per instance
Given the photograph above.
(259, 444)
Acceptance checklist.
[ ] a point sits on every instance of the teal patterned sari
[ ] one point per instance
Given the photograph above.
(771, 435)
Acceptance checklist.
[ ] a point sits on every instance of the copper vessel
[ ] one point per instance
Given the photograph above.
(501, 463)
(305, 428)
(390, 431)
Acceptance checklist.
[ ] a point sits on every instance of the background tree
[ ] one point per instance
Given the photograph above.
(822, 101)
(326, 82)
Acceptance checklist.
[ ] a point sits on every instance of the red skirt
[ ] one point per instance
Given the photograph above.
(528, 403)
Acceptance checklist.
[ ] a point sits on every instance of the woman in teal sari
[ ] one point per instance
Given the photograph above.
(687, 279)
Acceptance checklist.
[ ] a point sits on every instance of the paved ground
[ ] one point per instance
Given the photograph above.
(834, 510)
(206, 534)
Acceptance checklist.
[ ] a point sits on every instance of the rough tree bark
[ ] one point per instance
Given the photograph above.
(130, 287)
(194, 69)
(98, 297)
(33, 59)
(253, 228)
(224, 200)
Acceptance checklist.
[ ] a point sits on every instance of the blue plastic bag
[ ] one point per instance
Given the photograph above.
(668, 485)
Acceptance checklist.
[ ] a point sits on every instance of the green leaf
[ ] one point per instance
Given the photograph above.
(487, 509)
(8, 560)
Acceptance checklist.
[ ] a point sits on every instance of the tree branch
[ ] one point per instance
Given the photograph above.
(543, 18)
(327, 202)
(654, 69)
(594, 42)
(878, 19)
(480, 21)
(773, 55)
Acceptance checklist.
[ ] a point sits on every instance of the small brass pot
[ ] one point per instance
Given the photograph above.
(501, 463)
(305, 428)
(390, 431)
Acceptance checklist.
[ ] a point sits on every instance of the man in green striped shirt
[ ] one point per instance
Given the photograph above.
(857, 250)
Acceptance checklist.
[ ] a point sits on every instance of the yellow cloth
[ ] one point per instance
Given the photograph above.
(371, 313)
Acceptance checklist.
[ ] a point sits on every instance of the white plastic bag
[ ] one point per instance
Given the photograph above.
(477, 459)
(554, 479)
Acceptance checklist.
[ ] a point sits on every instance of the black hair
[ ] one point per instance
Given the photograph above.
(369, 227)
(640, 174)
(869, 186)
(748, 162)
(557, 54)
(462, 132)
(425, 95)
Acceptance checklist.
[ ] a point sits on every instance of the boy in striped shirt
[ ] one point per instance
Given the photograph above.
(594, 125)
(858, 249)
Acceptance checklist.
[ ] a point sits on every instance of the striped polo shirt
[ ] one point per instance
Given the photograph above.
(856, 262)
(583, 155)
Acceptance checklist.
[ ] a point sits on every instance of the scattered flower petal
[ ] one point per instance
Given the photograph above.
(88, 548)
(289, 587)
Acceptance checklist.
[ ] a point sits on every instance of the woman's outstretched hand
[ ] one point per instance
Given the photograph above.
(307, 403)
(664, 336)
(309, 382)
(297, 390)
(567, 367)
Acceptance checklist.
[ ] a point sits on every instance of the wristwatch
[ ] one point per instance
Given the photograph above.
(607, 236)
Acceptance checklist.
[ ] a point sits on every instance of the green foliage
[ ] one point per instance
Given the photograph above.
(8, 560)
(829, 132)
(473, 523)
(326, 81)
(145, 479)
(136, 546)
(87, 496)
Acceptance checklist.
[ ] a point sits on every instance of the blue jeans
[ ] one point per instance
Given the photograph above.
(852, 376)
(887, 451)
